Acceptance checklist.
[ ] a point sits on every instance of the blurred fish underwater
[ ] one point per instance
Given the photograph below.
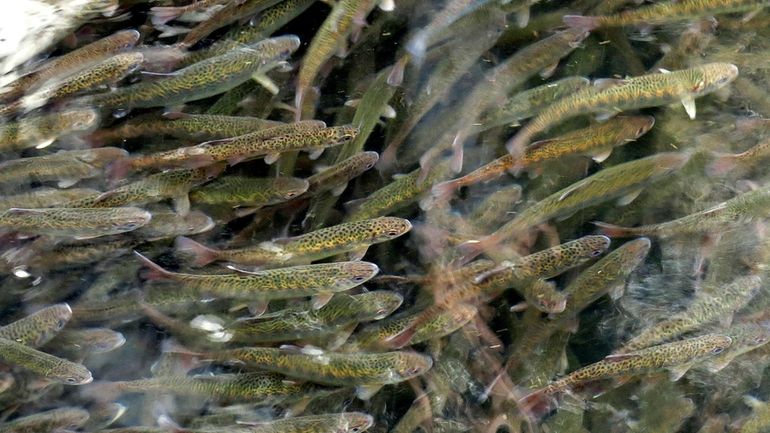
(297, 216)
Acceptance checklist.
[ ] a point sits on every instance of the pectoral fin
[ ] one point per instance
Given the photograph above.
(676, 372)
(689, 106)
(365, 392)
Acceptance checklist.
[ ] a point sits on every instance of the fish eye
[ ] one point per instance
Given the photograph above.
(392, 233)
(71, 380)
(760, 340)
(717, 350)
(370, 165)
(290, 194)
(359, 279)
(596, 253)
(60, 324)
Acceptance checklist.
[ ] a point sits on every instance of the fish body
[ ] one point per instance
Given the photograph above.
(344, 422)
(614, 182)
(48, 366)
(677, 356)
(232, 11)
(169, 224)
(283, 283)
(172, 184)
(248, 192)
(336, 177)
(77, 223)
(723, 163)
(88, 340)
(352, 237)
(341, 369)
(525, 104)
(45, 197)
(744, 207)
(664, 12)
(40, 130)
(597, 140)
(51, 420)
(304, 323)
(495, 208)
(39, 327)
(629, 94)
(66, 167)
(703, 310)
(201, 80)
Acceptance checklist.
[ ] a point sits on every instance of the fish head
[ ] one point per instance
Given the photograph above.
(712, 76)
(130, 218)
(381, 303)
(412, 364)
(104, 340)
(60, 314)
(594, 245)
(78, 119)
(356, 273)
(198, 222)
(74, 374)
(716, 344)
(286, 188)
(548, 300)
(126, 39)
(74, 417)
(344, 134)
(639, 125)
(369, 160)
(390, 228)
(355, 422)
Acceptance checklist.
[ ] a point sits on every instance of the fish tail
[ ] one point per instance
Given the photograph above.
(202, 255)
(443, 191)
(387, 159)
(469, 250)
(581, 22)
(721, 165)
(613, 231)
(155, 272)
(536, 404)
(161, 15)
(396, 76)
(518, 143)
(118, 170)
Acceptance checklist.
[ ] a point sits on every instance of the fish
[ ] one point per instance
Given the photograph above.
(73, 61)
(664, 12)
(245, 195)
(320, 281)
(103, 415)
(40, 130)
(704, 309)
(45, 197)
(398, 194)
(344, 422)
(746, 337)
(352, 237)
(168, 224)
(336, 28)
(597, 140)
(628, 94)
(336, 177)
(759, 418)
(172, 184)
(623, 181)
(201, 80)
(160, 15)
(50, 420)
(495, 209)
(368, 372)
(223, 387)
(744, 207)
(237, 149)
(232, 11)
(207, 153)
(302, 323)
(88, 340)
(38, 328)
(106, 72)
(64, 167)
(724, 163)
(525, 104)
(182, 125)
(678, 357)
(74, 223)
(48, 366)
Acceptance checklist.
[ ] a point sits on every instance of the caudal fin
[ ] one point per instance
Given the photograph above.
(613, 231)
(161, 15)
(154, 271)
(118, 170)
(445, 190)
(201, 255)
(580, 22)
(721, 165)
(469, 250)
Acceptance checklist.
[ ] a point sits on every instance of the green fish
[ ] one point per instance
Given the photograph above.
(172, 184)
(353, 237)
(65, 167)
(40, 130)
(344, 422)
(47, 421)
(48, 366)
(245, 195)
(368, 372)
(664, 12)
(629, 94)
(341, 313)
(678, 357)
(88, 340)
(168, 224)
(703, 310)
(495, 209)
(336, 177)
(320, 281)
(74, 223)
(39, 327)
(746, 206)
(623, 181)
(45, 197)
(201, 80)
(746, 337)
